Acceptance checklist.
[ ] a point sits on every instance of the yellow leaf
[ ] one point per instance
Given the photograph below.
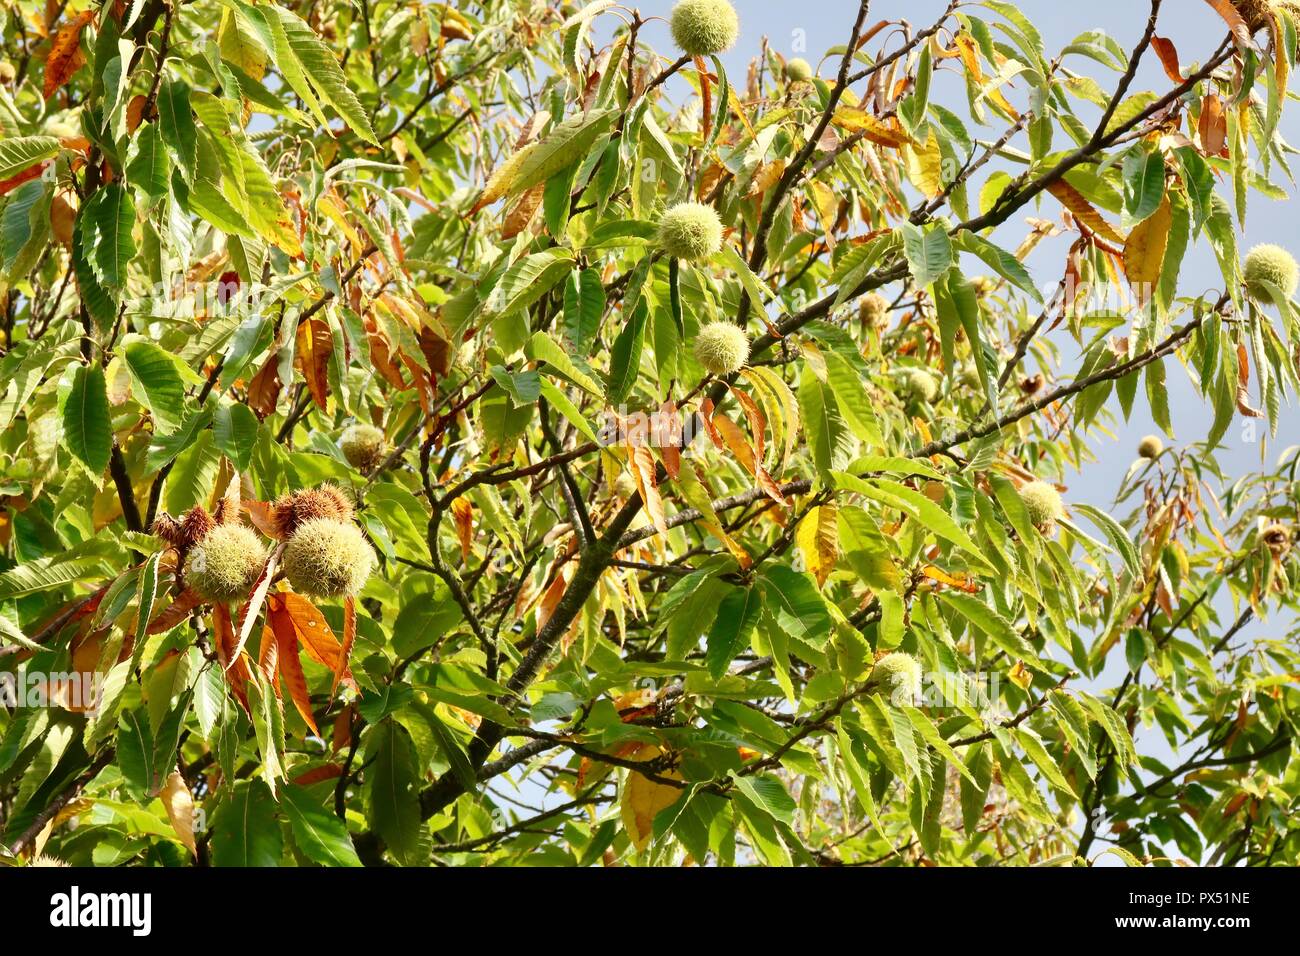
(818, 537)
(925, 166)
(643, 798)
(1144, 253)
(1282, 62)
(827, 206)
(883, 132)
(969, 54)
(1021, 676)
(179, 804)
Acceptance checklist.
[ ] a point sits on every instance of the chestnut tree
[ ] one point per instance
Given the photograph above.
(467, 433)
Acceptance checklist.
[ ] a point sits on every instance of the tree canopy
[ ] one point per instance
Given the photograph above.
(461, 433)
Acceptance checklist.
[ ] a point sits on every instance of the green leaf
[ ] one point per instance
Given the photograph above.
(450, 748)
(737, 617)
(176, 120)
(316, 831)
(584, 305)
(97, 300)
(43, 574)
(19, 152)
(728, 258)
(1001, 262)
(998, 629)
(830, 441)
(394, 790)
(267, 212)
(768, 792)
(112, 212)
(1118, 536)
(916, 506)
(625, 356)
(526, 281)
(1043, 760)
(1113, 725)
(149, 168)
(542, 348)
(317, 62)
(1144, 185)
(797, 605)
(930, 734)
(245, 831)
(851, 400)
(87, 428)
(234, 429)
(157, 381)
(146, 593)
(929, 252)
(567, 143)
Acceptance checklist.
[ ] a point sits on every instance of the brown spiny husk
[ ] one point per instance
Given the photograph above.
(196, 525)
(167, 528)
(192, 527)
(291, 511)
(1258, 13)
(226, 512)
(1277, 538)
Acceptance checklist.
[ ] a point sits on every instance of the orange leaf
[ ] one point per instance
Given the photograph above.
(740, 447)
(286, 640)
(268, 657)
(643, 469)
(327, 771)
(961, 582)
(706, 416)
(1243, 384)
(1168, 54)
(551, 597)
(381, 356)
(312, 351)
(259, 513)
(523, 211)
(16, 180)
(223, 638)
(1083, 210)
(1236, 23)
(757, 422)
(314, 632)
(706, 92)
(462, 511)
(179, 804)
(670, 424)
(341, 736)
(735, 440)
(65, 53)
(174, 613)
(349, 639)
(264, 389)
(1213, 127)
